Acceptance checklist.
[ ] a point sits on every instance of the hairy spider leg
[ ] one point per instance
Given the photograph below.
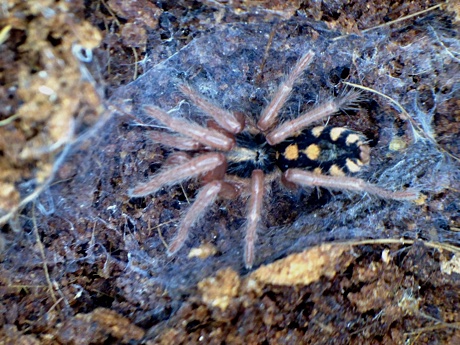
(192, 168)
(229, 191)
(226, 119)
(254, 215)
(177, 158)
(205, 198)
(174, 141)
(269, 115)
(305, 178)
(199, 133)
(289, 128)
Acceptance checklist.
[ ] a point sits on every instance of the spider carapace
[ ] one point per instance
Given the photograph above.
(234, 156)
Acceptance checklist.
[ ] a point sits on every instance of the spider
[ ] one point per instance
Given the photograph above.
(235, 156)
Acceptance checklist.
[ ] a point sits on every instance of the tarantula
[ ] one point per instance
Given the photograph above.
(235, 156)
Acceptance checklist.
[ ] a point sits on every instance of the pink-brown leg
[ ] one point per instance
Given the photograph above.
(213, 125)
(205, 198)
(177, 158)
(175, 141)
(215, 174)
(224, 118)
(175, 174)
(289, 128)
(229, 191)
(254, 214)
(201, 134)
(306, 178)
(270, 113)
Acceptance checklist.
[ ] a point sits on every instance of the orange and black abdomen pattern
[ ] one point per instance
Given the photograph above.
(326, 150)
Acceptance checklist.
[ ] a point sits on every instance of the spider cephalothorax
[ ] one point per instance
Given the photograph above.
(250, 153)
(235, 156)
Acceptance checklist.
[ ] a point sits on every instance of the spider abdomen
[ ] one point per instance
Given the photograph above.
(324, 150)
